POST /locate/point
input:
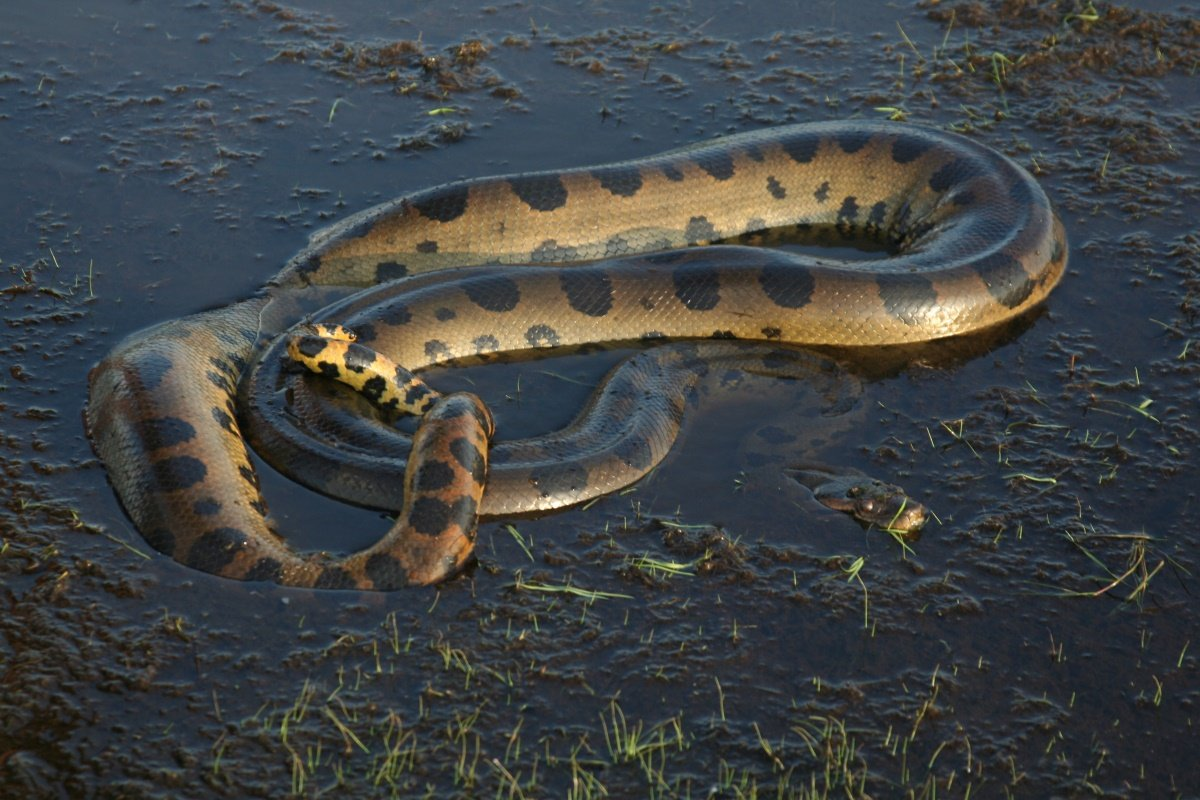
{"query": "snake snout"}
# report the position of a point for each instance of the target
(869, 500)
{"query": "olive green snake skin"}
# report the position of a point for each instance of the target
(461, 271)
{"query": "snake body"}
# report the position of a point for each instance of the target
(972, 241)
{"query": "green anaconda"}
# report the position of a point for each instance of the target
(460, 270)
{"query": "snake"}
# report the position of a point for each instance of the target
(638, 251)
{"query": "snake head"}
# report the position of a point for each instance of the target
(870, 501)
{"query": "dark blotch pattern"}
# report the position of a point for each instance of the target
(464, 514)
(310, 346)
(373, 389)
(588, 291)
(620, 181)
(540, 192)
(223, 419)
(848, 213)
(248, 475)
(152, 368)
(220, 381)
(551, 252)
(427, 246)
(335, 578)
(385, 572)
(445, 314)
(206, 507)
(877, 216)
(486, 343)
(178, 472)
(483, 419)
(386, 271)
(956, 172)
(801, 147)
(429, 515)
(699, 231)
(697, 287)
(161, 539)
(392, 314)
(359, 358)
(822, 192)
(907, 149)
(433, 475)
(163, 432)
(1005, 278)
(672, 173)
(493, 293)
(468, 456)
(787, 286)
(265, 569)
(309, 265)
(717, 164)
(437, 350)
(907, 297)
(221, 365)
(416, 395)
(238, 362)
(853, 141)
(215, 549)
(875, 225)
(542, 336)
(443, 205)
(776, 189)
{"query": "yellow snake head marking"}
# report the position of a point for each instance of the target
(334, 352)
(332, 330)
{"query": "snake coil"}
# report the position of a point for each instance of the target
(459, 270)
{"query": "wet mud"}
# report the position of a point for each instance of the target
(713, 632)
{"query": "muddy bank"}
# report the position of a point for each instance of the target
(706, 633)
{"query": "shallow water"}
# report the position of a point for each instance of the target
(1038, 641)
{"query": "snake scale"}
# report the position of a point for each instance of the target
(460, 271)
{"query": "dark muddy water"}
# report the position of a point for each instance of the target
(1040, 639)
